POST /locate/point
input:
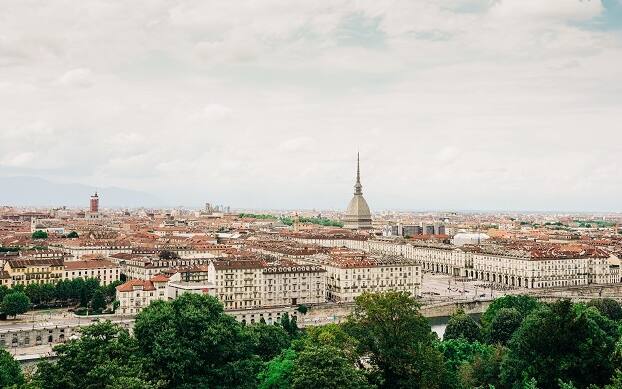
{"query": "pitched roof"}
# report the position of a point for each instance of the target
(89, 264)
(129, 285)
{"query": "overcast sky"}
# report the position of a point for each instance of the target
(474, 104)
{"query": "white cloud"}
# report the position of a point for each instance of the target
(79, 77)
(217, 112)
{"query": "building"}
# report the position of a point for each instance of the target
(94, 208)
(135, 295)
(349, 274)
(293, 284)
(238, 283)
(105, 271)
(145, 266)
(93, 213)
(358, 216)
(29, 270)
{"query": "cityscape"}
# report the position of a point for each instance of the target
(346, 195)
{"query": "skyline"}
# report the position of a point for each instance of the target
(453, 105)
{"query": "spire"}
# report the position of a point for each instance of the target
(358, 188)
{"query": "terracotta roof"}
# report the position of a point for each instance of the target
(92, 264)
(129, 285)
(159, 278)
(24, 262)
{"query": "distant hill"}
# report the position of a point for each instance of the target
(35, 191)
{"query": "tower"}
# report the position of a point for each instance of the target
(95, 203)
(358, 216)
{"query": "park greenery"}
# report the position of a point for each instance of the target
(288, 221)
(39, 234)
(85, 294)
(191, 342)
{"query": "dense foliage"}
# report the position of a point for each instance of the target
(191, 342)
(39, 234)
(322, 221)
(85, 293)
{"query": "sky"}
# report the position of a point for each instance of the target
(453, 105)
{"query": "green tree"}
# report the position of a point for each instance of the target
(278, 372)
(72, 235)
(561, 341)
(111, 289)
(47, 291)
(398, 340)
(457, 353)
(104, 356)
(503, 325)
(333, 335)
(10, 370)
(39, 234)
(326, 367)
(607, 307)
(461, 325)
(33, 291)
(168, 254)
(15, 303)
(98, 302)
(484, 371)
(268, 340)
(289, 324)
(302, 308)
(523, 304)
(191, 342)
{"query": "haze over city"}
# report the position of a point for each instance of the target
(489, 105)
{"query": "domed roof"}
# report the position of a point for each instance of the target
(358, 208)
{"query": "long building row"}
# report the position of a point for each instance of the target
(525, 264)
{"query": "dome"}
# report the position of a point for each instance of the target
(358, 208)
(358, 215)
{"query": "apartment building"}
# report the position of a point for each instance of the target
(29, 270)
(105, 271)
(134, 295)
(293, 284)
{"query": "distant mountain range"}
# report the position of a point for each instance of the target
(35, 191)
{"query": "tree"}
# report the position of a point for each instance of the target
(461, 325)
(191, 342)
(10, 370)
(607, 307)
(302, 308)
(33, 291)
(111, 289)
(168, 254)
(104, 356)
(72, 235)
(325, 367)
(398, 340)
(503, 325)
(268, 340)
(333, 335)
(289, 325)
(98, 303)
(458, 353)
(278, 372)
(15, 303)
(561, 341)
(523, 304)
(39, 234)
